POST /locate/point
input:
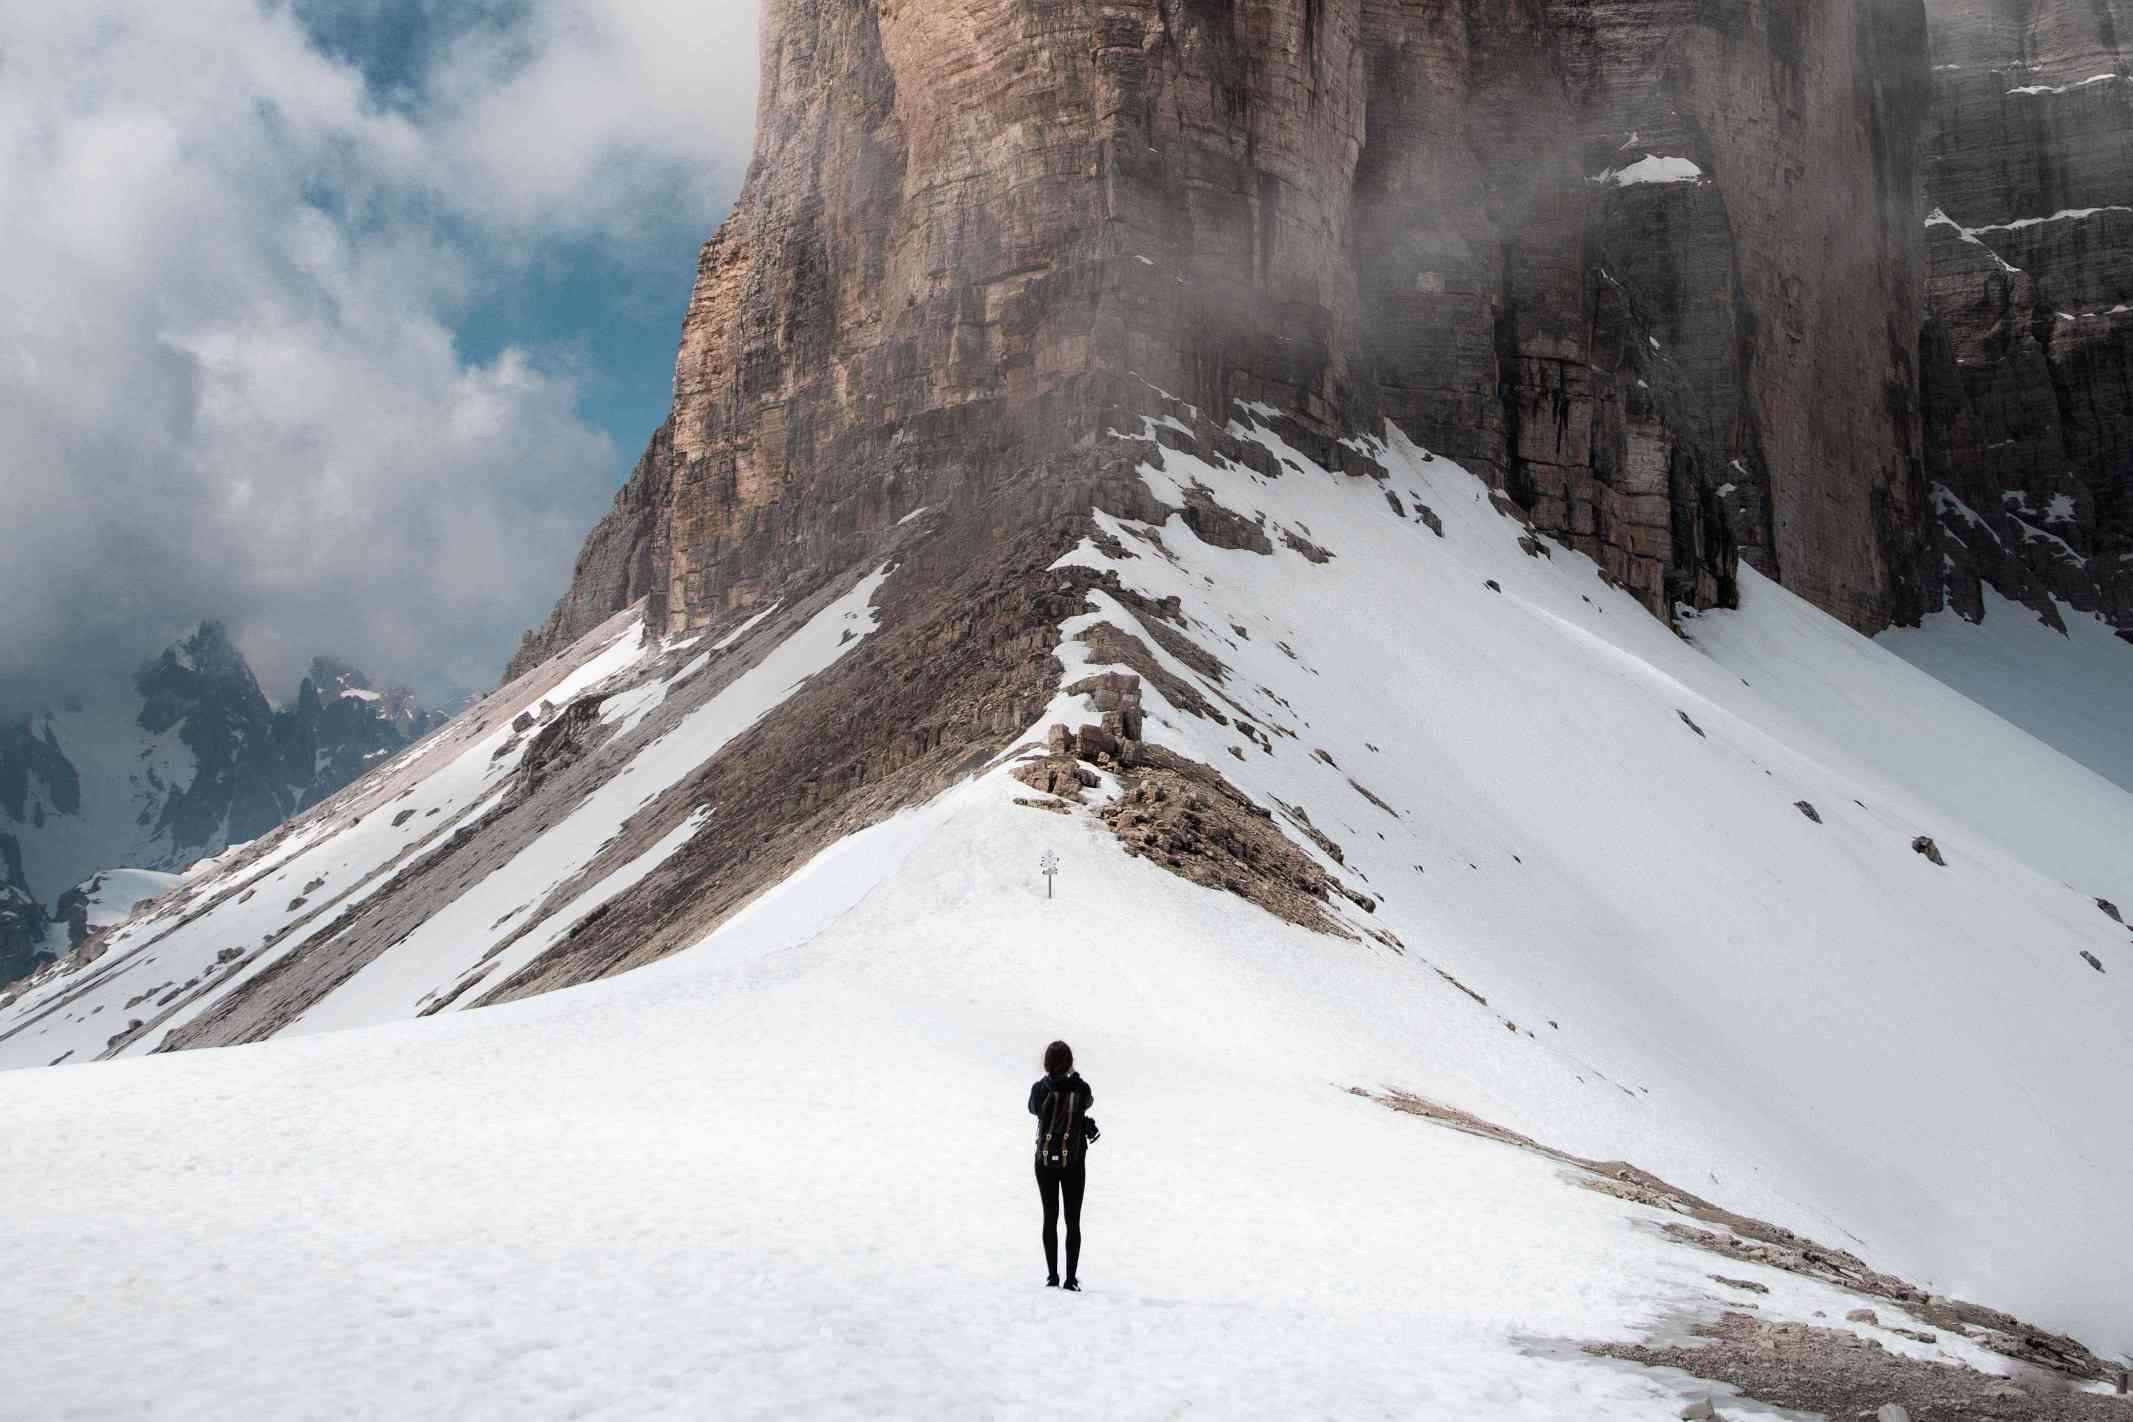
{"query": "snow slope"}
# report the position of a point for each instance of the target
(325, 865)
(310, 870)
(2074, 691)
(110, 897)
(667, 1193)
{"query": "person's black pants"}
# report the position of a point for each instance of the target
(1052, 1182)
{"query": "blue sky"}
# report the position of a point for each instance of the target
(617, 312)
(338, 322)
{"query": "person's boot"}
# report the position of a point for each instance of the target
(1052, 1283)
(1072, 1286)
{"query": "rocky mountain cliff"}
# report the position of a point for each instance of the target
(1653, 268)
(191, 760)
(1689, 287)
(1655, 272)
(2028, 347)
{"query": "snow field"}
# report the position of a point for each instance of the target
(1748, 1003)
(671, 1195)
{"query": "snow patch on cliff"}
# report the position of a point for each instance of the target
(1652, 168)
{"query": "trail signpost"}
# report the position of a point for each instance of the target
(1049, 867)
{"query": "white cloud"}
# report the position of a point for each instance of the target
(229, 379)
(551, 122)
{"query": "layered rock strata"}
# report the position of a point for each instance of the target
(2028, 346)
(1651, 267)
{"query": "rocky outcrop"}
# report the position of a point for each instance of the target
(1648, 266)
(2028, 347)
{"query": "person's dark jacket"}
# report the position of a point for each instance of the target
(1072, 1080)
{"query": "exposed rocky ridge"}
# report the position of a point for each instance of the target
(2028, 347)
(979, 234)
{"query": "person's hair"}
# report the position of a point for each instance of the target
(1059, 1059)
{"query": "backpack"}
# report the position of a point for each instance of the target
(1056, 1122)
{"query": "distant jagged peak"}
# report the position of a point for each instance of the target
(335, 677)
(205, 667)
(208, 652)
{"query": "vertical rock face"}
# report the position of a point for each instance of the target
(2028, 348)
(1677, 229)
(1652, 266)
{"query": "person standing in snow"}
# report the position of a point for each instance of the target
(1060, 1102)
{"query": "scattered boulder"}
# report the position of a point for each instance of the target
(1117, 697)
(1808, 810)
(1058, 774)
(1492, 585)
(2092, 960)
(1925, 845)
(1296, 543)
(402, 818)
(1700, 1410)
(1749, 1284)
(1690, 724)
(2110, 910)
(1863, 1315)
(1429, 517)
(565, 740)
